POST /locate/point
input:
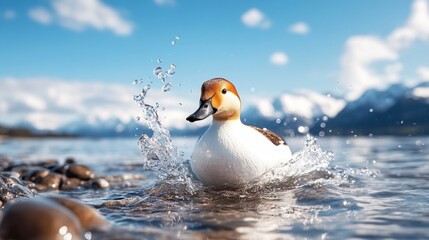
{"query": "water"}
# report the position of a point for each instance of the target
(370, 188)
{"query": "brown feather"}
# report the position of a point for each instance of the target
(274, 138)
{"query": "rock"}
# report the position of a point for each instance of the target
(35, 174)
(81, 172)
(39, 218)
(70, 160)
(51, 181)
(60, 168)
(99, 183)
(69, 183)
(89, 217)
(48, 163)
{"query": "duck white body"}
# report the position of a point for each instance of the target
(229, 153)
(232, 154)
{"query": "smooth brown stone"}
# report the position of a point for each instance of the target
(47, 163)
(69, 183)
(70, 160)
(51, 181)
(99, 183)
(60, 168)
(38, 218)
(81, 172)
(34, 174)
(89, 217)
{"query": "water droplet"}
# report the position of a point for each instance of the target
(171, 70)
(294, 119)
(278, 120)
(177, 37)
(399, 146)
(303, 129)
(159, 60)
(402, 122)
(173, 42)
(347, 141)
(166, 87)
(138, 97)
(145, 89)
(325, 118)
(323, 125)
(136, 81)
(138, 118)
(156, 71)
(88, 235)
(321, 133)
(371, 110)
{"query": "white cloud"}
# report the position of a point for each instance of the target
(279, 58)
(40, 15)
(417, 27)
(363, 52)
(255, 18)
(165, 2)
(300, 28)
(51, 103)
(80, 14)
(423, 73)
(9, 14)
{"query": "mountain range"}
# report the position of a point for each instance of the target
(396, 110)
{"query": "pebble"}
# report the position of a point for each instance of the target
(100, 183)
(51, 181)
(36, 173)
(89, 217)
(81, 172)
(19, 179)
(69, 183)
(39, 218)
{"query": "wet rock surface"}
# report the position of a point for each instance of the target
(51, 217)
(26, 178)
(30, 211)
(39, 218)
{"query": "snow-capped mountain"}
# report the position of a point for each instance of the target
(398, 110)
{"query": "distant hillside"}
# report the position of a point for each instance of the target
(397, 110)
(27, 133)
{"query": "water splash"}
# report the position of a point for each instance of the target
(171, 70)
(166, 87)
(159, 153)
(159, 73)
(311, 165)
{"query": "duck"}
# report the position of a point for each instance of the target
(230, 153)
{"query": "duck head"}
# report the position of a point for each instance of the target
(218, 98)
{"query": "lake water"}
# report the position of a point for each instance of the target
(368, 188)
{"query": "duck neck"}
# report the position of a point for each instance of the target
(219, 122)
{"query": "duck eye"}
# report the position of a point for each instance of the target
(224, 91)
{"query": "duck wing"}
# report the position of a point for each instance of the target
(274, 138)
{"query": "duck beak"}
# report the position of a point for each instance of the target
(203, 111)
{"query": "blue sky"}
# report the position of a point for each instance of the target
(264, 47)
